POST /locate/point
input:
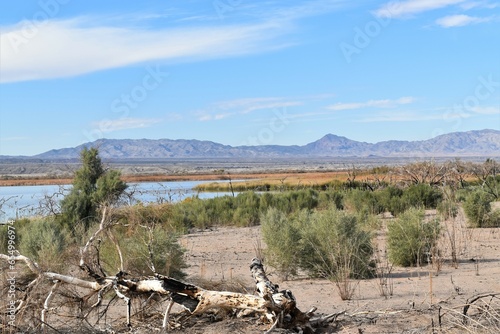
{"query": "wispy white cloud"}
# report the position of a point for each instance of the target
(411, 116)
(64, 48)
(173, 117)
(126, 123)
(224, 109)
(479, 4)
(486, 110)
(460, 20)
(408, 8)
(373, 104)
(247, 105)
(69, 48)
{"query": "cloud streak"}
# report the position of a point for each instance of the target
(372, 104)
(409, 116)
(64, 48)
(126, 123)
(408, 8)
(72, 47)
(224, 109)
(460, 20)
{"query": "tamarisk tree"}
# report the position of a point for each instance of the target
(93, 185)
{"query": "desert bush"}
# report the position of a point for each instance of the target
(357, 200)
(410, 238)
(421, 195)
(17, 226)
(335, 242)
(494, 218)
(335, 246)
(477, 208)
(192, 213)
(145, 214)
(143, 248)
(303, 199)
(331, 198)
(45, 242)
(448, 209)
(390, 199)
(282, 238)
(247, 209)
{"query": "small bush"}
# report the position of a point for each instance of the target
(335, 244)
(422, 195)
(411, 238)
(331, 198)
(390, 199)
(282, 238)
(477, 208)
(448, 209)
(45, 242)
(142, 248)
(357, 200)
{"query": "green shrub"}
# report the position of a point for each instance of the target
(390, 199)
(192, 212)
(448, 209)
(142, 247)
(331, 198)
(45, 242)
(303, 199)
(477, 209)
(282, 238)
(357, 200)
(494, 218)
(410, 238)
(336, 246)
(422, 195)
(16, 227)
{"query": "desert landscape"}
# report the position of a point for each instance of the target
(443, 295)
(228, 166)
(414, 300)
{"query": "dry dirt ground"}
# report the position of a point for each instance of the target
(415, 297)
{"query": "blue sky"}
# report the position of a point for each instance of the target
(242, 72)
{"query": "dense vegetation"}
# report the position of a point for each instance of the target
(322, 230)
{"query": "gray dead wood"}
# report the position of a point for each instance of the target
(277, 306)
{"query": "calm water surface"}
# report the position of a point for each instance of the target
(26, 201)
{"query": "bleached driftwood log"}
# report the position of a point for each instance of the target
(279, 307)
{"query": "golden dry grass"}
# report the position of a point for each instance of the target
(258, 178)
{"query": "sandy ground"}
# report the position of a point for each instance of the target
(417, 293)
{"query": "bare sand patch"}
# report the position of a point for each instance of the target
(418, 293)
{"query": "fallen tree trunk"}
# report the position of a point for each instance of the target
(278, 307)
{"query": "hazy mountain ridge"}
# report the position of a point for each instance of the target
(456, 144)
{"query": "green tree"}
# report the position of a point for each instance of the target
(93, 186)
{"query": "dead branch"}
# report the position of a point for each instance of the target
(472, 300)
(279, 307)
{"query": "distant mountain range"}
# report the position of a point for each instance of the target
(457, 144)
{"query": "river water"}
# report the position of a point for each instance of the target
(27, 201)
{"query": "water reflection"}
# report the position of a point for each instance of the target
(28, 201)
